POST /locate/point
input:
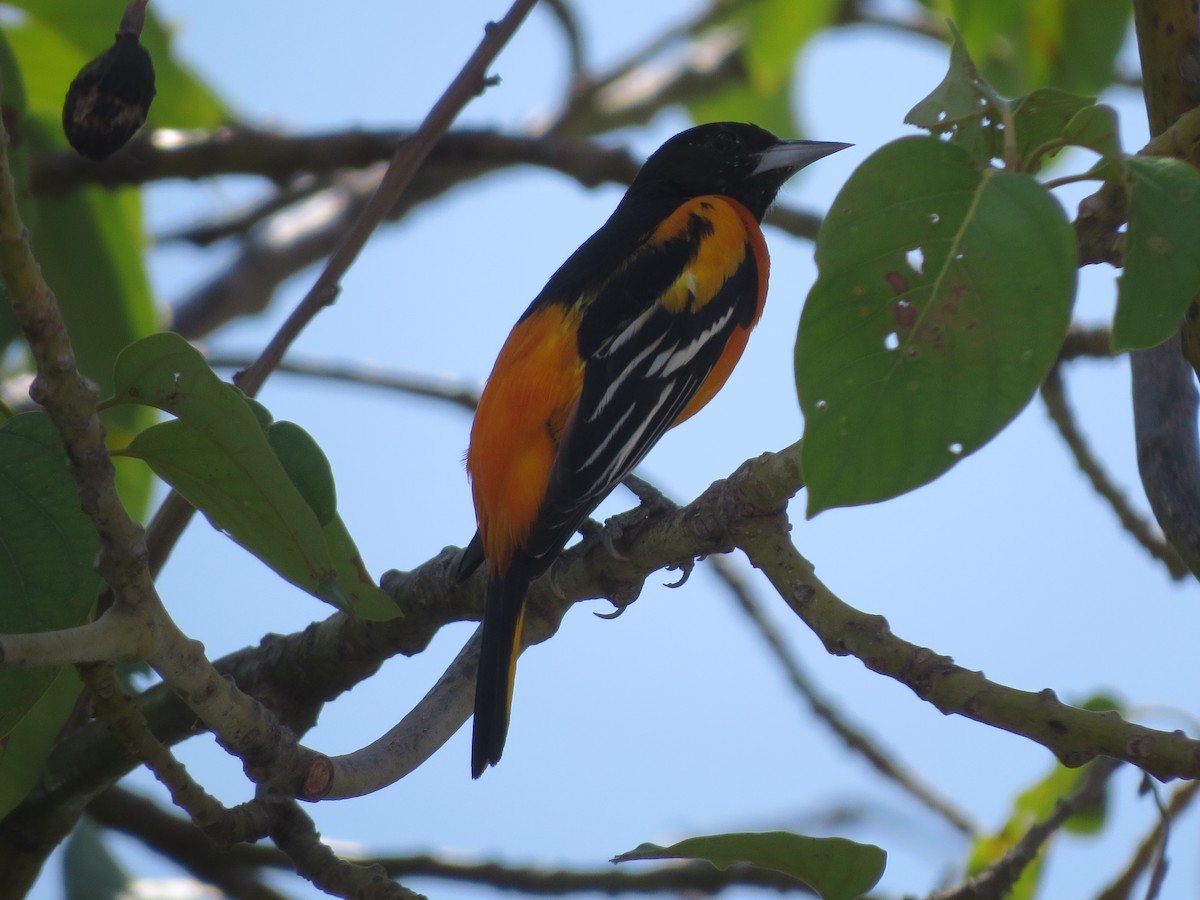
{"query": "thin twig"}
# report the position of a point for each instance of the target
(566, 19)
(129, 726)
(1054, 396)
(1082, 341)
(469, 83)
(998, 879)
(234, 870)
(70, 401)
(175, 513)
(458, 393)
(180, 841)
(1151, 848)
(854, 738)
(294, 833)
(242, 220)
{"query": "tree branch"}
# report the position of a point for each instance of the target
(298, 235)
(294, 833)
(1152, 847)
(234, 870)
(294, 674)
(469, 83)
(1054, 396)
(180, 841)
(1164, 397)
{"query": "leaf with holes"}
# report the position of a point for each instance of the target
(942, 298)
(834, 868)
(964, 107)
(1162, 267)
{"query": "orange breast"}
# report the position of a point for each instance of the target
(533, 389)
(743, 228)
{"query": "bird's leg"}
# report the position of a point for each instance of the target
(650, 499)
(651, 502)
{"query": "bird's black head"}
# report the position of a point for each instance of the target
(736, 159)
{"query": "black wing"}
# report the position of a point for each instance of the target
(643, 368)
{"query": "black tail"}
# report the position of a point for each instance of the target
(498, 649)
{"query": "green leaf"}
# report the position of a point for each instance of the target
(1033, 805)
(47, 550)
(1162, 267)
(218, 457)
(1042, 118)
(89, 245)
(90, 871)
(243, 491)
(1025, 44)
(776, 31)
(166, 372)
(942, 298)
(14, 108)
(309, 469)
(261, 413)
(23, 751)
(964, 107)
(307, 466)
(362, 595)
(1095, 127)
(267, 485)
(837, 869)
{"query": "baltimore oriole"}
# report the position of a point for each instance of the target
(631, 336)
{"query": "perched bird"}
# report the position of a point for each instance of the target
(631, 336)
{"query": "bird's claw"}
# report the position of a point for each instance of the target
(621, 598)
(685, 570)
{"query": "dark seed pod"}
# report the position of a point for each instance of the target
(109, 98)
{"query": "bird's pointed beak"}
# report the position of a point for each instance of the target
(795, 155)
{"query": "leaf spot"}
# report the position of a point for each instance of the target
(915, 259)
(822, 405)
(896, 281)
(891, 341)
(904, 314)
(955, 449)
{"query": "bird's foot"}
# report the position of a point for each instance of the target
(650, 499)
